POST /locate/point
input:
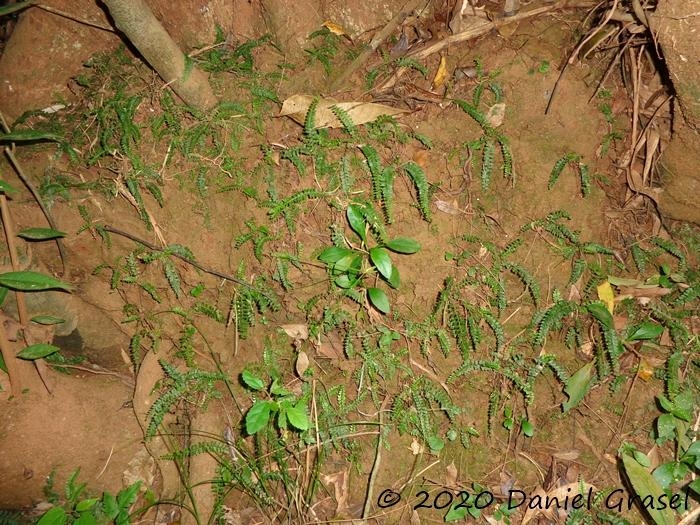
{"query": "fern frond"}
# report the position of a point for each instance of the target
(172, 276)
(551, 319)
(487, 159)
(527, 279)
(420, 181)
(346, 120)
(670, 248)
(310, 119)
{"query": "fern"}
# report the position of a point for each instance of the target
(345, 119)
(422, 188)
(282, 207)
(552, 319)
(527, 279)
(507, 155)
(310, 120)
(577, 269)
(172, 276)
(640, 256)
(212, 312)
(672, 374)
(487, 159)
(216, 448)
(496, 327)
(671, 248)
(194, 385)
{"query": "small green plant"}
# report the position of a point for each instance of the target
(572, 160)
(80, 510)
(351, 265)
(284, 409)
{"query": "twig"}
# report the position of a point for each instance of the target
(482, 29)
(375, 43)
(25, 180)
(63, 14)
(375, 466)
(197, 265)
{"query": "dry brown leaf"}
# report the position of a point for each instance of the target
(298, 332)
(302, 364)
(496, 114)
(450, 208)
(339, 480)
(416, 448)
(451, 475)
(296, 107)
(420, 157)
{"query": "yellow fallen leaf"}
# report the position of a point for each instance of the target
(607, 295)
(441, 74)
(334, 28)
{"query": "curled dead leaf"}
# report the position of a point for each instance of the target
(496, 114)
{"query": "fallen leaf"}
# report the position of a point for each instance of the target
(607, 295)
(450, 208)
(360, 113)
(334, 28)
(296, 331)
(496, 114)
(451, 475)
(416, 448)
(339, 480)
(441, 74)
(302, 364)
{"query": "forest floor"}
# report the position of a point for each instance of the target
(412, 319)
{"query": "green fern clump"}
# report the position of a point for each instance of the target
(574, 161)
(194, 386)
(417, 175)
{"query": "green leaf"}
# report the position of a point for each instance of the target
(666, 427)
(379, 300)
(86, 518)
(86, 504)
(646, 331)
(37, 351)
(54, 516)
(40, 234)
(6, 10)
(402, 245)
(333, 254)
(435, 443)
(382, 261)
(527, 427)
(645, 485)
(357, 221)
(602, 314)
(278, 390)
(352, 261)
(344, 282)
(297, 416)
(28, 135)
(3, 295)
(252, 381)
(577, 386)
(109, 505)
(27, 281)
(456, 513)
(695, 486)
(395, 279)
(669, 473)
(258, 417)
(47, 319)
(7, 188)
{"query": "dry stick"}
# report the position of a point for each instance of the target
(197, 265)
(5, 347)
(375, 43)
(25, 180)
(74, 18)
(575, 53)
(475, 32)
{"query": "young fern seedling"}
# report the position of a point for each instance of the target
(349, 266)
